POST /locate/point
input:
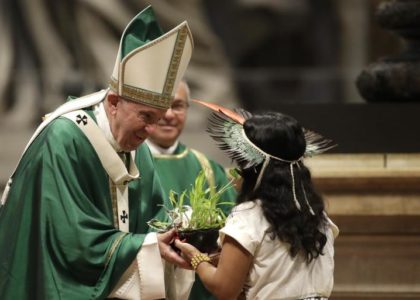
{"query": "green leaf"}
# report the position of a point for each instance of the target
(205, 204)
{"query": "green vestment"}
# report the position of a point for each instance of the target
(57, 233)
(178, 172)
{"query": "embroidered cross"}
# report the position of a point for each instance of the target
(124, 216)
(83, 119)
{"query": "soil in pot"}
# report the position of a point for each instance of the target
(205, 240)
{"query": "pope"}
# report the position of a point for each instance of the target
(73, 214)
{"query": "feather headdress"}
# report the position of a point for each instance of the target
(226, 128)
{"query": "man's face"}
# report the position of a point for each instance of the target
(171, 125)
(131, 123)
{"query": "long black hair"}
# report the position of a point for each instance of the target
(282, 136)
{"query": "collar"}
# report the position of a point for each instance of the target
(103, 124)
(156, 149)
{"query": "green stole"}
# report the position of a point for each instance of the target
(57, 234)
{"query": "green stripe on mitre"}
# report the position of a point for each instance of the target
(142, 29)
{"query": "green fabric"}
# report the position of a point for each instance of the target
(179, 174)
(57, 239)
(141, 30)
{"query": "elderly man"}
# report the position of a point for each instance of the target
(73, 215)
(179, 165)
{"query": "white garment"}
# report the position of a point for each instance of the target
(158, 150)
(274, 273)
(137, 281)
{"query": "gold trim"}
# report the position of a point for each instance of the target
(155, 42)
(175, 61)
(114, 246)
(113, 191)
(171, 156)
(142, 96)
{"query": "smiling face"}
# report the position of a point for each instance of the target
(170, 127)
(131, 123)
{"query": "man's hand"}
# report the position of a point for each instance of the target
(166, 251)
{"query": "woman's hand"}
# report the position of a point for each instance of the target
(187, 250)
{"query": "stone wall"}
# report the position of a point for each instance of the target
(375, 201)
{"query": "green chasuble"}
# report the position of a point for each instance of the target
(57, 233)
(178, 172)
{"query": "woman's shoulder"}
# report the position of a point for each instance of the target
(246, 224)
(247, 207)
(332, 226)
(250, 212)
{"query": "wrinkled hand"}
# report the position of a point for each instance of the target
(166, 251)
(187, 250)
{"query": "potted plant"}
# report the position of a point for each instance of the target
(199, 221)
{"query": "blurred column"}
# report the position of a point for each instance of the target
(354, 16)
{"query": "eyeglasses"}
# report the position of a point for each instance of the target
(179, 108)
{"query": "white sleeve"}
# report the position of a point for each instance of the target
(144, 278)
(178, 282)
(246, 225)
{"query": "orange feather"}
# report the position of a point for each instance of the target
(230, 113)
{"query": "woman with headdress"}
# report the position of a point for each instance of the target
(278, 242)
